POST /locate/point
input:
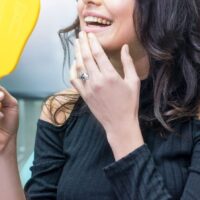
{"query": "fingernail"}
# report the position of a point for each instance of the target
(1, 115)
(81, 34)
(1, 94)
(127, 49)
(91, 35)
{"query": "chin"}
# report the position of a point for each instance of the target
(107, 44)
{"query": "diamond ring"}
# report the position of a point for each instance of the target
(84, 76)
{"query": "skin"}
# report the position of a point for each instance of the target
(10, 186)
(112, 91)
(121, 32)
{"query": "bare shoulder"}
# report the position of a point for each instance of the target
(198, 114)
(54, 102)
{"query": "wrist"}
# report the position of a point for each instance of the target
(121, 126)
(125, 140)
(122, 147)
(8, 150)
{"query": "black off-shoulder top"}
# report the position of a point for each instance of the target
(75, 162)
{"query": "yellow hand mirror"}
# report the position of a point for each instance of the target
(17, 21)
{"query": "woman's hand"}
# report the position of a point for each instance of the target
(9, 120)
(112, 99)
(8, 161)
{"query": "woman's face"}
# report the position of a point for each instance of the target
(110, 20)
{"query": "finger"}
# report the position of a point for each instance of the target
(78, 68)
(72, 72)
(1, 115)
(86, 54)
(1, 98)
(1, 95)
(100, 56)
(79, 61)
(78, 85)
(7, 99)
(128, 65)
(79, 72)
(74, 79)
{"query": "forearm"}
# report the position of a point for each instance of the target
(10, 185)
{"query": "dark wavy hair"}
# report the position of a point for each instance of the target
(169, 30)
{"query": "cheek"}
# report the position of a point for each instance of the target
(125, 30)
(122, 32)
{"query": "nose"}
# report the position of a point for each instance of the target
(95, 2)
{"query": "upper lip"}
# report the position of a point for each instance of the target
(94, 14)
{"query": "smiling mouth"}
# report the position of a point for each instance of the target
(97, 22)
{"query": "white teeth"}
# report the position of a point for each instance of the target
(97, 19)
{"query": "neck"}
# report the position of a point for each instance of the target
(140, 60)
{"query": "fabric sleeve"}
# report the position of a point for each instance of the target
(192, 187)
(48, 162)
(135, 177)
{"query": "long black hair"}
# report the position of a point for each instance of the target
(169, 30)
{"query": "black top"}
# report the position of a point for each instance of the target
(75, 162)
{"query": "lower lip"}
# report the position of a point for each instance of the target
(95, 29)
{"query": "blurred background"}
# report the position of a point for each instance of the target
(40, 70)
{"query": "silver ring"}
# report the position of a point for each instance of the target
(84, 76)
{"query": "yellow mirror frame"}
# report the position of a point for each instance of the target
(17, 21)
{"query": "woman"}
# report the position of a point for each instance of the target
(132, 132)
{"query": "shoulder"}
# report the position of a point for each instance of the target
(54, 103)
(196, 127)
(198, 113)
